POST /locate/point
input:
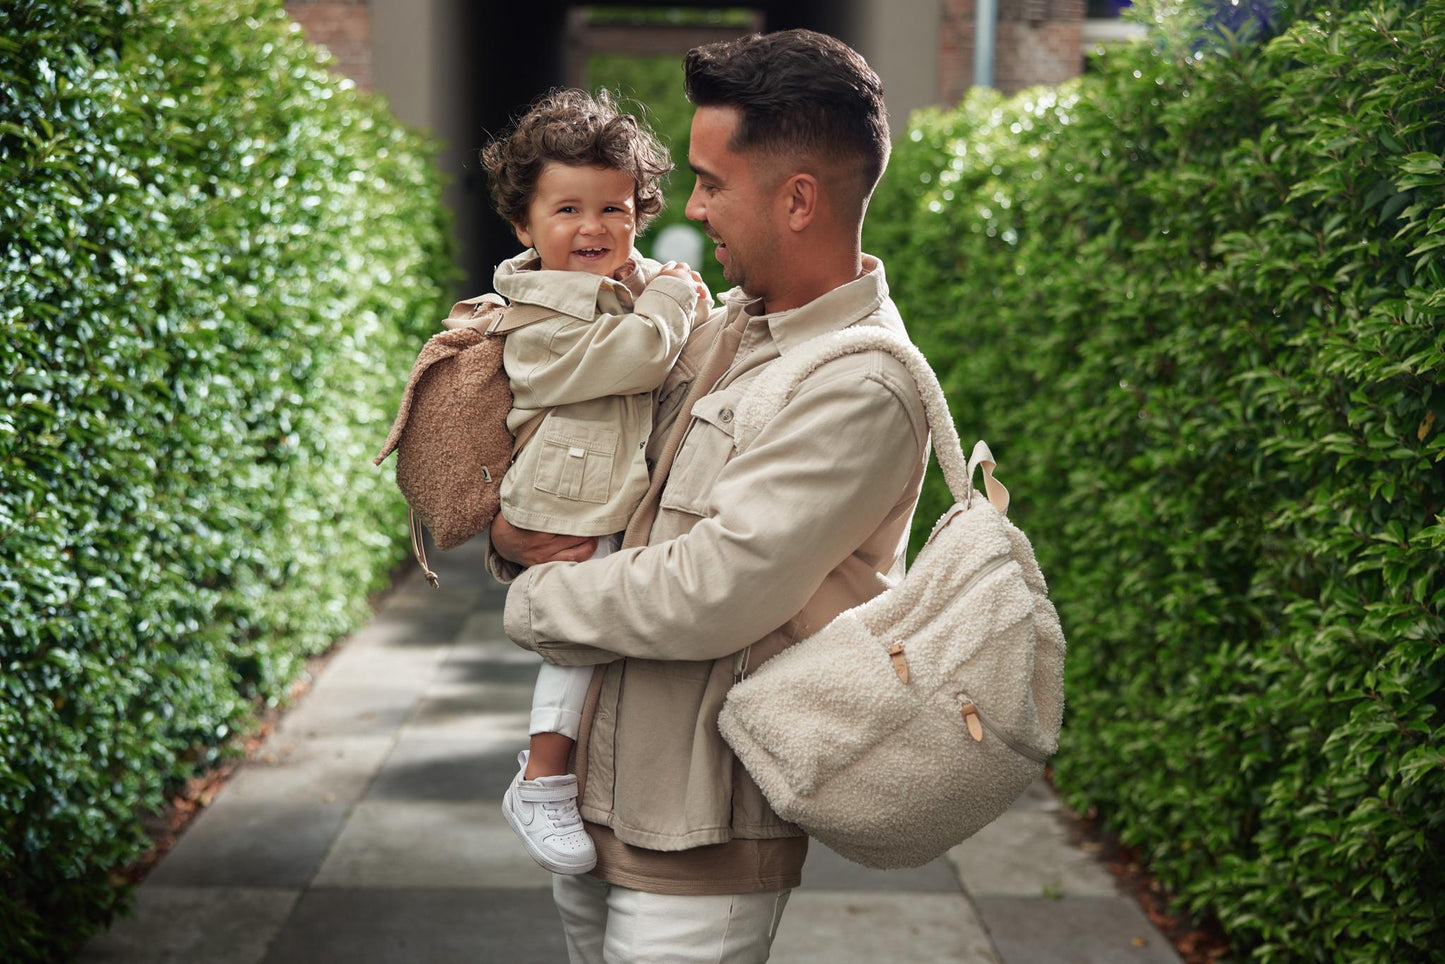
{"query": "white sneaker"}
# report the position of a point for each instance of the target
(543, 812)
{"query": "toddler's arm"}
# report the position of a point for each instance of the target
(626, 353)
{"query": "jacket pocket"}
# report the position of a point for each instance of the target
(706, 449)
(576, 459)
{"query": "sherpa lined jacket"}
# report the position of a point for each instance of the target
(595, 366)
(749, 553)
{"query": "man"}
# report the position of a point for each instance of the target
(734, 555)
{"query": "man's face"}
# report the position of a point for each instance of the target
(732, 199)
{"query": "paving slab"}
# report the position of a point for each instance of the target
(419, 845)
(487, 662)
(390, 666)
(292, 769)
(1073, 930)
(217, 925)
(351, 711)
(244, 843)
(421, 626)
(478, 711)
(863, 928)
(421, 927)
(486, 625)
(414, 594)
(446, 771)
(1026, 853)
(827, 870)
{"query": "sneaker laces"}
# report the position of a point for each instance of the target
(563, 814)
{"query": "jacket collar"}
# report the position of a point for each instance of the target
(833, 311)
(573, 293)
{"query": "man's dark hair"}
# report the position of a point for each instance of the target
(570, 126)
(798, 92)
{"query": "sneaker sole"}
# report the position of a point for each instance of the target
(539, 855)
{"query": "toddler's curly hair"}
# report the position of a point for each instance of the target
(571, 126)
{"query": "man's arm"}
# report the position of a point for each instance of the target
(816, 483)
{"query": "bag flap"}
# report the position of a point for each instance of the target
(439, 347)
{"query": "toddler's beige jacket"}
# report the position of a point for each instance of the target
(595, 366)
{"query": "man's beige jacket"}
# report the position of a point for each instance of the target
(596, 366)
(749, 553)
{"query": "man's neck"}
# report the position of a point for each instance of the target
(814, 280)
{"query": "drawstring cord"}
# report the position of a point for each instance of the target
(418, 549)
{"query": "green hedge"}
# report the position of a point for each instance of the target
(215, 258)
(1195, 300)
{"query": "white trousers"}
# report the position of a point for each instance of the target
(561, 690)
(607, 924)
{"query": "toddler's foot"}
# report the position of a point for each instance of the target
(543, 812)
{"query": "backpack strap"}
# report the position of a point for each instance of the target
(775, 386)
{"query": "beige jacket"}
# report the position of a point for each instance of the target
(596, 366)
(749, 552)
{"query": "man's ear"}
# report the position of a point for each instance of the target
(523, 236)
(801, 197)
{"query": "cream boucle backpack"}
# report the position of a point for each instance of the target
(912, 720)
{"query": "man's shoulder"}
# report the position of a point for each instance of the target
(875, 370)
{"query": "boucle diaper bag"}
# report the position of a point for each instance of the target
(912, 720)
(450, 435)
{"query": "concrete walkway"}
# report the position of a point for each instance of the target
(368, 829)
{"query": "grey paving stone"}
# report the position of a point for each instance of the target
(421, 927)
(474, 711)
(878, 928)
(423, 627)
(242, 843)
(826, 870)
(470, 665)
(1073, 930)
(389, 666)
(218, 925)
(485, 625)
(350, 711)
(1026, 853)
(446, 771)
(292, 769)
(1039, 796)
(414, 594)
(417, 845)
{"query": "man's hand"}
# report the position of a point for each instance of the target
(528, 547)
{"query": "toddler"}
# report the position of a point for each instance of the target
(577, 179)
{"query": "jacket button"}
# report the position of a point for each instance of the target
(726, 415)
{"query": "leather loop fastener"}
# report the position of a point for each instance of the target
(975, 726)
(900, 662)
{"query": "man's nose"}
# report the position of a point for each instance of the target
(695, 210)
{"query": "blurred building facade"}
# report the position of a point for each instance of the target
(458, 68)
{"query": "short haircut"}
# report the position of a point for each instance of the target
(571, 126)
(798, 92)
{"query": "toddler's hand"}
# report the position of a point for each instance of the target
(682, 272)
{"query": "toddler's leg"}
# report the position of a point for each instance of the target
(557, 704)
(541, 803)
(556, 716)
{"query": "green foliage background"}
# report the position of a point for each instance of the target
(1195, 300)
(215, 259)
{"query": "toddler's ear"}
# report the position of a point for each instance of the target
(522, 234)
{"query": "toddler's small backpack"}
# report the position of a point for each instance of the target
(450, 436)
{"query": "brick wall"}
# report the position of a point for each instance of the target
(1035, 42)
(344, 28)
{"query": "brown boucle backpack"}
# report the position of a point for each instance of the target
(450, 435)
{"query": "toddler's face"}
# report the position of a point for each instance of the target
(581, 218)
